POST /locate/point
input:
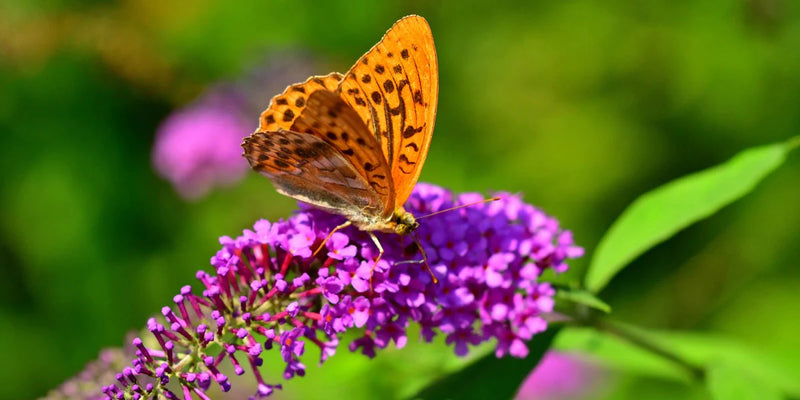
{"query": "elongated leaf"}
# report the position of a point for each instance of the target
(700, 349)
(660, 213)
(490, 377)
(618, 354)
(728, 382)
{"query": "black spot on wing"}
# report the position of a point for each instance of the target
(304, 153)
(410, 131)
(405, 160)
(400, 85)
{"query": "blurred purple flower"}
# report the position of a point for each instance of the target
(198, 148)
(268, 290)
(560, 376)
(87, 385)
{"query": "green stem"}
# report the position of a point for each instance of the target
(646, 343)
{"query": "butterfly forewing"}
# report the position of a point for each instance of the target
(287, 106)
(394, 88)
(309, 169)
(329, 118)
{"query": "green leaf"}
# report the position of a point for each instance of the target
(583, 297)
(662, 212)
(490, 377)
(728, 382)
(618, 354)
(695, 348)
(709, 349)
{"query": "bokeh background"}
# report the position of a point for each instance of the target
(580, 105)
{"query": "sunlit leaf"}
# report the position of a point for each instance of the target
(729, 382)
(618, 354)
(662, 212)
(695, 348)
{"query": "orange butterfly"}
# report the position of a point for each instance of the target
(354, 145)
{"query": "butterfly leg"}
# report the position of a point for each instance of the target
(342, 226)
(424, 258)
(423, 261)
(380, 255)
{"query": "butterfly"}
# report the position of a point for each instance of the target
(354, 144)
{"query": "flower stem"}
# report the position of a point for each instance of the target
(644, 342)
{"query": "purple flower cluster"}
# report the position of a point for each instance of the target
(270, 290)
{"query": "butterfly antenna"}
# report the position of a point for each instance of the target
(424, 257)
(461, 206)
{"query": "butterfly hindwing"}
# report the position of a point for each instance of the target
(394, 88)
(309, 169)
(329, 118)
(287, 106)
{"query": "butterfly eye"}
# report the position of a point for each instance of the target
(406, 223)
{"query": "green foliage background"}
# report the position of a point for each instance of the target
(580, 105)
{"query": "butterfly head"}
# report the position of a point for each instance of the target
(405, 222)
